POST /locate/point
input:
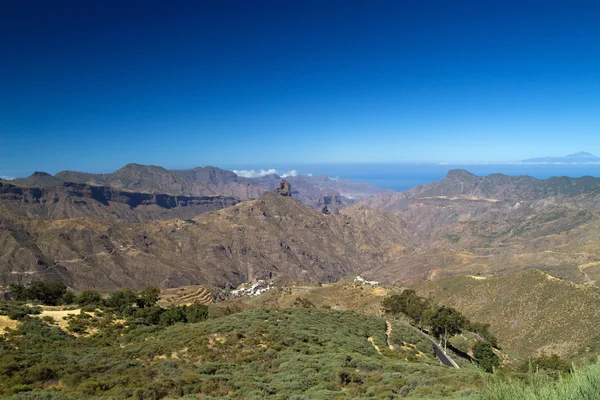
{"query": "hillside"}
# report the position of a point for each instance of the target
(259, 354)
(464, 232)
(531, 312)
(273, 237)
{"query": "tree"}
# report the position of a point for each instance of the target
(68, 298)
(173, 315)
(484, 331)
(196, 312)
(47, 292)
(552, 365)
(483, 353)
(446, 322)
(148, 297)
(407, 303)
(18, 292)
(89, 297)
(122, 299)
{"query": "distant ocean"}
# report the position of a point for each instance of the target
(402, 177)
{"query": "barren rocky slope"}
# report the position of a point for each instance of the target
(467, 233)
(72, 200)
(272, 237)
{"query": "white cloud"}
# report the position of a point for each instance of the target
(309, 174)
(292, 172)
(252, 173)
(7, 178)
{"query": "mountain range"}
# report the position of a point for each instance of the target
(210, 181)
(113, 236)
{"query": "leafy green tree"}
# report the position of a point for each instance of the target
(483, 352)
(148, 315)
(407, 303)
(18, 292)
(173, 316)
(68, 298)
(148, 297)
(446, 322)
(553, 365)
(196, 312)
(89, 297)
(47, 292)
(484, 331)
(121, 300)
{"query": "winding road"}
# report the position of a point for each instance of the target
(439, 352)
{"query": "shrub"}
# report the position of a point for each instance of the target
(89, 297)
(148, 297)
(48, 292)
(196, 312)
(173, 315)
(485, 356)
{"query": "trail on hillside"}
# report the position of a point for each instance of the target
(388, 333)
(370, 339)
(586, 275)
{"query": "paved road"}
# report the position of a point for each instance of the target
(439, 352)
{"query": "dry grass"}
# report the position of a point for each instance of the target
(6, 322)
(59, 315)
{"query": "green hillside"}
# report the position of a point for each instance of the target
(531, 312)
(257, 354)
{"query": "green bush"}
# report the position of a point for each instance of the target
(173, 316)
(89, 298)
(16, 310)
(48, 292)
(483, 353)
(196, 312)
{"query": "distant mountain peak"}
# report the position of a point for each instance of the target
(581, 157)
(459, 173)
(40, 173)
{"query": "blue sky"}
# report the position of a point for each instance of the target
(95, 85)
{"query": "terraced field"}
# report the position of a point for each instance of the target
(186, 295)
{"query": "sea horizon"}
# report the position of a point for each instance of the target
(404, 176)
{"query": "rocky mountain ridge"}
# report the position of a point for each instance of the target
(208, 181)
(69, 200)
(273, 237)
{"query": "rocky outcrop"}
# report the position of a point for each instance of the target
(285, 189)
(79, 199)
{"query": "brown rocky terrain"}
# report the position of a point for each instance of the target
(104, 237)
(476, 225)
(271, 237)
(207, 181)
(73, 200)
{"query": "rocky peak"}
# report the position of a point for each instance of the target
(40, 174)
(285, 189)
(459, 174)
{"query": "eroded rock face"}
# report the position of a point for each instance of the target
(285, 189)
(73, 200)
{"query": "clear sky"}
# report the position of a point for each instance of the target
(93, 85)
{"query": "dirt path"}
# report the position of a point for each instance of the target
(370, 339)
(388, 333)
(580, 267)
